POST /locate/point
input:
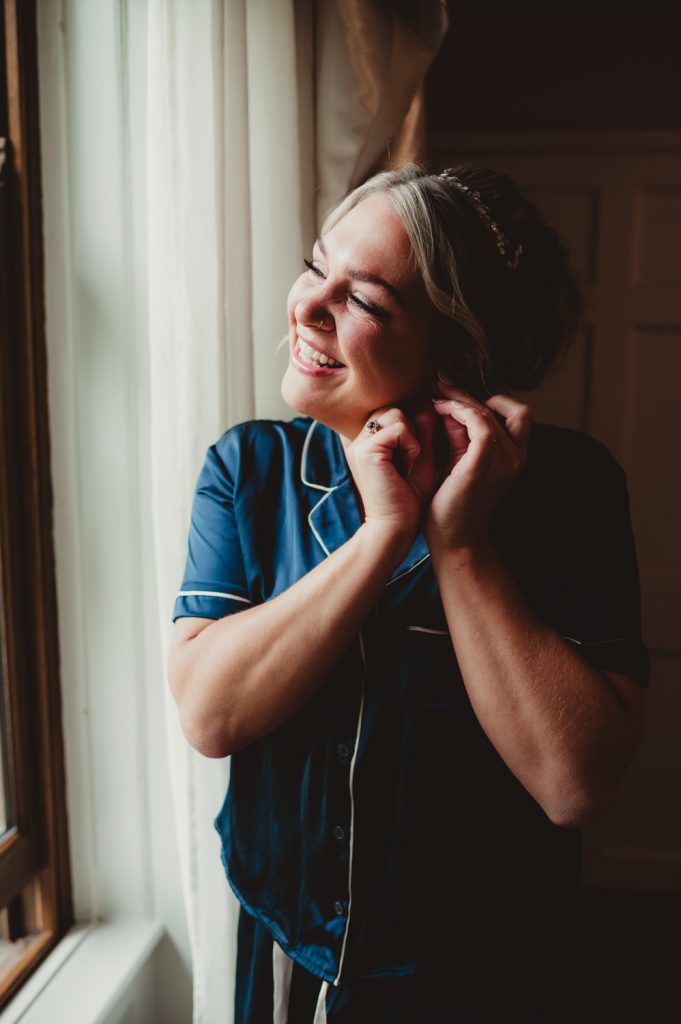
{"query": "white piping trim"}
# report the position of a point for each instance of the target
(407, 571)
(211, 593)
(320, 1011)
(312, 512)
(360, 719)
(423, 629)
(303, 463)
(282, 970)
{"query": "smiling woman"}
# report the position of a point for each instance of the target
(411, 616)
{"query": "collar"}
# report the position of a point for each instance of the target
(335, 516)
(323, 465)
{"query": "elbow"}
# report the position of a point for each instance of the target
(201, 726)
(576, 795)
(579, 810)
(574, 805)
(207, 739)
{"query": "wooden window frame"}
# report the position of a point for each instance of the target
(34, 850)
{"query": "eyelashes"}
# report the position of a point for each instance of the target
(367, 307)
(313, 267)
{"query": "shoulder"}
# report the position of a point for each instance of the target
(570, 459)
(255, 444)
(571, 488)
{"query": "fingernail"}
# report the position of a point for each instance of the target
(444, 377)
(439, 401)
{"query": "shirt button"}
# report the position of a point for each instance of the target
(339, 832)
(343, 751)
(339, 908)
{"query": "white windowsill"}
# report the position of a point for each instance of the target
(86, 974)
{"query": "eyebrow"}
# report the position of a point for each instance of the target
(360, 275)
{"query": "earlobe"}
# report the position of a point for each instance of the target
(457, 369)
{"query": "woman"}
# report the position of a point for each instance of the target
(411, 617)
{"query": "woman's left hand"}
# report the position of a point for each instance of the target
(485, 457)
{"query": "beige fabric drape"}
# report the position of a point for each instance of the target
(261, 114)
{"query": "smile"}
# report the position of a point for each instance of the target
(312, 357)
(309, 358)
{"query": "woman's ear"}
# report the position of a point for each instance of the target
(453, 352)
(457, 366)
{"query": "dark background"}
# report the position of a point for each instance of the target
(522, 67)
(535, 67)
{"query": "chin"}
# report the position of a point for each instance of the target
(298, 398)
(305, 403)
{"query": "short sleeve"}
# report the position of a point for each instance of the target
(594, 598)
(214, 583)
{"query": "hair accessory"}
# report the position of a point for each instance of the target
(483, 211)
(373, 426)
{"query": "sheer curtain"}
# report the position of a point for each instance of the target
(261, 115)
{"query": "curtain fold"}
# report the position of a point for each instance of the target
(261, 115)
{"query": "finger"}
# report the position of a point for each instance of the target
(457, 394)
(454, 391)
(457, 432)
(407, 449)
(378, 421)
(425, 420)
(422, 475)
(386, 415)
(397, 442)
(479, 424)
(517, 417)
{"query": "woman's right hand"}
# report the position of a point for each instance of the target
(394, 470)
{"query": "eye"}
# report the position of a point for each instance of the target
(369, 307)
(313, 268)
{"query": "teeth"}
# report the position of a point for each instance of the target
(313, 357)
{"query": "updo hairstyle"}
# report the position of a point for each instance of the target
(499, 329)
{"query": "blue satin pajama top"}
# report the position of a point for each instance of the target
(377, 830)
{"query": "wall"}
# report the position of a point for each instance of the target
(525, 67)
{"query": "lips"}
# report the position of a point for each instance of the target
(314, 358)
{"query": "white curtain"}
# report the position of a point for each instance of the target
(261, 114)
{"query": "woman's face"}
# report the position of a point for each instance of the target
(359, 323)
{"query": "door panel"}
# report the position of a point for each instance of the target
(619, 212)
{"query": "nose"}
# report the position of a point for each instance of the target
(311, 312)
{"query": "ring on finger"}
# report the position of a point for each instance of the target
(373, 426)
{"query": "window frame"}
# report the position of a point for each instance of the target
(34, 849)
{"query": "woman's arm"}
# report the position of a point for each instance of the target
(567, 730)
(237, 678)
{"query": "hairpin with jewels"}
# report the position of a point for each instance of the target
(483, 211)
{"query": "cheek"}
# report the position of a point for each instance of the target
(365, 342)
(394, 361)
